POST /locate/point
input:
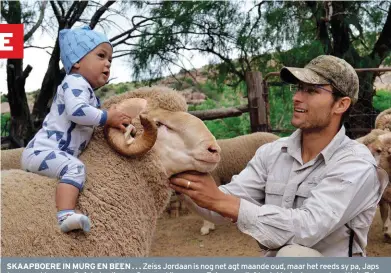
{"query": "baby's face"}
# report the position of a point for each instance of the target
(95, 66)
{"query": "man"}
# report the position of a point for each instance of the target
(311, 194)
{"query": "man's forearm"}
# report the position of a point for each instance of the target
(209, 215)
(228, 207)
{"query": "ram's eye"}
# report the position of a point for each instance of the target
(158, 123)
(378, 151)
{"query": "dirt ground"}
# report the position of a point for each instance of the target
(181, 237)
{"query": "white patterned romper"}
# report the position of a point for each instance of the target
(65, 133)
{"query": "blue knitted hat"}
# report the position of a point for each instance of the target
(78, 42)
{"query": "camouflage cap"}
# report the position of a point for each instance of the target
(325, 69)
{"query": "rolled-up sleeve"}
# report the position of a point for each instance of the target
(349, 188)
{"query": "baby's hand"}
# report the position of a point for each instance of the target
(117, 119)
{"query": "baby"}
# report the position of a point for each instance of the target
(67, 129)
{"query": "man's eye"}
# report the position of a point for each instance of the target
(101, 55)
(311, 90)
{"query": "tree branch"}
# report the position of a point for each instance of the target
(78, 12)
(383, 44)
(227, 60)
(70, 10)
(258, 18)
(4, 13)
(56, 12)
(40, 47)
(135, 27)
(99, 13)
(39, 22)
(321, 26)
(62, 8)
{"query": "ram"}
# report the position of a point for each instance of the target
(379, 143)
(126, 188)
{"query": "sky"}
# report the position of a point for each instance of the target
(39, 60)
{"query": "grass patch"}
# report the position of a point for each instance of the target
(382, 100)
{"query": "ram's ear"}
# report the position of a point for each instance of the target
(385, 139)
(132, 107)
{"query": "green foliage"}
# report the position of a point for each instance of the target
(101, 92)
(220, 28)
(281, 108)
(121, 89)
(189, 81)
(300, 56)
(382, 100)
(5, 124)
(117, 88)
(387, 61)
(229, 127)
(213, 90)
(227, 97)
(4, 98)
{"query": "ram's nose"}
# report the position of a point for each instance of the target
(214, 148)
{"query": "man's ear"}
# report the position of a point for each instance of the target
(342, 105)
(76, 65)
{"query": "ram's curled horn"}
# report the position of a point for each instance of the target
(142, 143)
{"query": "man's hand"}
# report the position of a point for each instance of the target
(202, 189)
(117, 119)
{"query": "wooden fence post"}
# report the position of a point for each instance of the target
(256, 103)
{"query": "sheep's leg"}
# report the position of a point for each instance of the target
(385, 213)
(129, 134)
(207, 227)
(174, 206)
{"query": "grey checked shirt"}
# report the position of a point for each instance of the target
(284, 201)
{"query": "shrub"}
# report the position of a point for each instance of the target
(382, 100)
(227, 127)
(4, 98)
(5, 124)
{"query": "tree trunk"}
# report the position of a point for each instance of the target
(362, 116)
(256, 102)
(21, 126)
(52, 79)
